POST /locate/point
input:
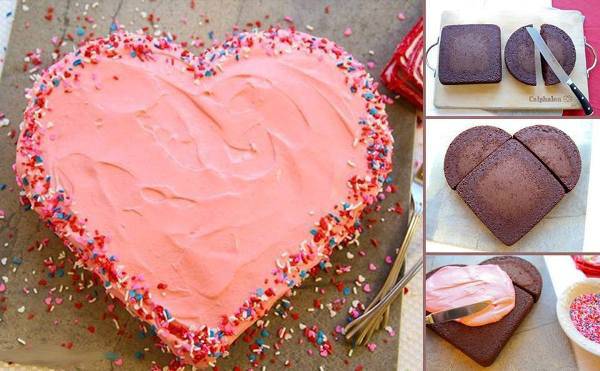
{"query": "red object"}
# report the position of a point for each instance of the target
(588, 264)
(404, 72)
(591, 30)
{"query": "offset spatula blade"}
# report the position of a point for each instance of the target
(456, 313)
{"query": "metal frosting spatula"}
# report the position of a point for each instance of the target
(558, 70)
(456, 313)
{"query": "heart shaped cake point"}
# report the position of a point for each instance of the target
(201, 189)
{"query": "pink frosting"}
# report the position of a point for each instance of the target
(201, 189)
(452, 287)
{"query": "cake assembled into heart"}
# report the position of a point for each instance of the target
(512, 182)
(512, 284)
(201, 189)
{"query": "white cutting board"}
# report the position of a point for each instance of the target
(510, 93)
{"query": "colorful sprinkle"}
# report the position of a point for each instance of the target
(585, 314)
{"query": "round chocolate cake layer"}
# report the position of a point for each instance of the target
(469, 148)
(521, 272)
(562, 47)
(556, 149)
(470, 54)
(519, 56)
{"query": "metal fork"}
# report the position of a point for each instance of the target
(376, 315)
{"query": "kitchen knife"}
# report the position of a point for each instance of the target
(456, 313)
(558, 70)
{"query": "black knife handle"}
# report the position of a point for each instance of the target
(585, 103)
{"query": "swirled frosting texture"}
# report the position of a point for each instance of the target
(454, 286)
(201, 189)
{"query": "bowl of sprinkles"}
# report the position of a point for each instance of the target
(578, 311)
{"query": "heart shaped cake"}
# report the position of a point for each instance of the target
(512, 182)
(483, 335)
(201, 189)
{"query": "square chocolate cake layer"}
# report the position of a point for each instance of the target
(510, 191)
(470, 54)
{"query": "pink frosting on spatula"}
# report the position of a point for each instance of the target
(454, 286)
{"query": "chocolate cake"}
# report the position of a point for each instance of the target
(484, 343)
(470, 54)
(562, 47)
(556, 149)
(469, 148)
(519, 56)
(510, 191)
(523, 274)
(512, 183)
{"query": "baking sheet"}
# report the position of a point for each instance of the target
(46, 332)
(510, 93)
(451, 222)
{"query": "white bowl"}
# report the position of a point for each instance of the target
(563, 305)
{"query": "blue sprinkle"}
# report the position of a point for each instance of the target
(8, 14)
(260, 342)
(55, 82)
(17, 260)
(113, 27)
(313, 232)
(264, 333)
(25, 181)
(211, 35)
(373, 111)
(37, 159)
(76, 62)
(60, 272)
(112, 356)
(208, 73)
(139, 354)
(133, 54)
(2, 186)
(260, 292)
(368, 96)
(332, 242)
(320, 337)
(347, 291)
(303, 274)
(80, 31)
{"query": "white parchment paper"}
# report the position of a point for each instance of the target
(451, 222)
